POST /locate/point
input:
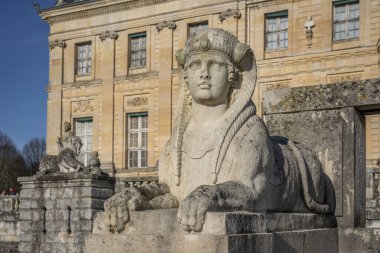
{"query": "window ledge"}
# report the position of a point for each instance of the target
(345, 44)
(277, 53)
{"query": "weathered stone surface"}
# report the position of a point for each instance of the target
(220, 223)
(158, 231)
(365, 93)
(59, 209)
(337, 137)
(354, 240)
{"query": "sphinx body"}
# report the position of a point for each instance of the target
(220, 156)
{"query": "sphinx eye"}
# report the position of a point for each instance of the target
(216, 64)
(195, 64)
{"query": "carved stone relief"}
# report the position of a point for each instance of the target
(276, 85)
(136, 101)
(83, 106)
(344, 77)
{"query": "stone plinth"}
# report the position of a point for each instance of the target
(159, 231)
(56, 211)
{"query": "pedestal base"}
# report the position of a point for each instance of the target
(238, 232)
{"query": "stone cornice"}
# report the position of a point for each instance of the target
(166, 24)
(260, 4)
(229, 14)
(102, 10)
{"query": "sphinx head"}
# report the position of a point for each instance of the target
(76, 145)
(211, 61)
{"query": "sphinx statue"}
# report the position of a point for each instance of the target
(220, 156)
(66, 161)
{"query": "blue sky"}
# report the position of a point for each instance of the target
(24, 59)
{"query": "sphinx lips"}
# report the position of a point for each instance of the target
(204, 85)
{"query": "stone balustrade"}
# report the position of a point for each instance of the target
(9, 203)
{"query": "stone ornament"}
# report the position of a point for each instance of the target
(60, 43)
(220, 156)
(229, 14)
(166, 24)
(137, 101)
(309, 25)
(108, 35)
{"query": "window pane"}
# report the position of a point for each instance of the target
(138, 50)
(137, 140)
(196, 27)
(276, 31)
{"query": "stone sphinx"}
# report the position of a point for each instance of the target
(220, 156)
(66, 161)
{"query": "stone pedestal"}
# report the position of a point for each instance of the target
(158, 231)
(56, 211)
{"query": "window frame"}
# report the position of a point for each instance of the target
(130, 38)
(346, 21)
(196, 24)
(84, 152)
(88, 60)
(139, 148)
(277, 16)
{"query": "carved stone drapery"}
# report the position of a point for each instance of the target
(83, 106)
(137, 101)
(166, 24)
(55, 43)
(228, 14)
(108, 35)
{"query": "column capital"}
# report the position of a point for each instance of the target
(108, 35)
(166, 24)
(54, 43)
(228, 14)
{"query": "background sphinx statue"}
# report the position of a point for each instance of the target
(220, 156)
(66, 161)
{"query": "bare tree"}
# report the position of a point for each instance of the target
(32, 152)
(12, 164)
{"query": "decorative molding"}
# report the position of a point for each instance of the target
(137, 101)
(83, 106)
(60, 43)
(344, 77)
(265, 3)
(280, 84)
(228, 14)
(136, 76)
(166, 24)
(82, 83)
(108, 35)
(103, 10)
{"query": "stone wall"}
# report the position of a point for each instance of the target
(329, 120)
(56, 211)
(9, 223)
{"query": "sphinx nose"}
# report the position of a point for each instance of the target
(205, 72)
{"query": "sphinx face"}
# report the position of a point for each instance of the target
(77, 148)
(207, 76)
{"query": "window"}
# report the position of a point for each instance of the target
(196, 27)
(137, 140)
(276, 31)
(137, 50)
(83, 129)
(346, 20)
(83, 62)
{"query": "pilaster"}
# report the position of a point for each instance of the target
(54, 104)
(165, 30)
(107, 72)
